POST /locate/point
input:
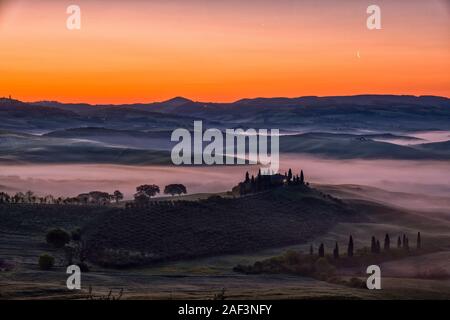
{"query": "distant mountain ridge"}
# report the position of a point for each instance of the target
(360, 98)
(367, 112)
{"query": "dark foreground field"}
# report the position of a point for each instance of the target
(215, 226)
(180, 256)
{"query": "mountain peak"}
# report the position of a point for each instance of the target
(178, 99)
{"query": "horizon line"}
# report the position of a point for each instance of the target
(230, 102)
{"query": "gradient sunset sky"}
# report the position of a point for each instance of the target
(142, 51)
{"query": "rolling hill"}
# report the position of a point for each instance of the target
(216, 226)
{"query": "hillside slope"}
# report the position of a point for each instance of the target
(284, 216)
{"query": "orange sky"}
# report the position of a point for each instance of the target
(141, 51)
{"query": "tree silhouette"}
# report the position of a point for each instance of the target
(18, 197)
(336, 251)
(302, 177)
(289, 176)
(49, 199)
(404, 241)
(29, 197)
(117, 196)
(258, 180)
(141, 198)
(350, 247)
(387, 242)
(57, 237)
(399, 242)
(373, 245)
(174, 189)
(148, 190)
(4, 197)
(247, 177)
(378, 247)
(98, 197)
(406, 244)
(83, 198)
(321, 250)
(419, 241)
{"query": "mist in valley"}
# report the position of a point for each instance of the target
(426, 178)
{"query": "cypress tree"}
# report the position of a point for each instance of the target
(289, 175)
(321, 250)
(258, 181)
(387, 242)
(419, 241)
(399, 242)
(247, 177)
(336, 251)
(350, 247)
(302, 177)
(378, 247)
(373, 245)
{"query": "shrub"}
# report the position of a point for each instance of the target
(258, 267)
(292, 257)
(241, 269)
(357, 283)
(323, 268)
(57, 238)
(304, 269)
(46, 261)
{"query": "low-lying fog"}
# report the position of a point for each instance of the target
(423, 177)
(422, 137)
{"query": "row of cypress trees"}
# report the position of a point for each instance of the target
(402, 242)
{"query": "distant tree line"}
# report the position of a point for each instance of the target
(143, 194)
(375, 246)
(93, 197)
